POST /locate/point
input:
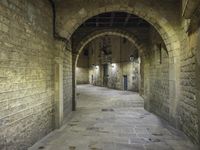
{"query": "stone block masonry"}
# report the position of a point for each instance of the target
(37, 73)
(156, 77)
(27, 58)
(67, 83)
(187, 108)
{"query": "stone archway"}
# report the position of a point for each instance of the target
(116, 32)
(159, 22)
(99, 33)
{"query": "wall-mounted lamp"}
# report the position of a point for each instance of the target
(132, 58)
(113, 65)
(95, 66)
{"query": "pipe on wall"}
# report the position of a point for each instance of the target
(55, 34)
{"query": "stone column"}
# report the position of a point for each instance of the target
(74, 57)
(172, 91)
(58, 92)
(198, 81)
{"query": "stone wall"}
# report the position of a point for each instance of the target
(119, 67)
(27, 59)
(187, 110)
(178, 83)
(67, 83)
(198, 82)
(27, 65)
(82, 68)
(82, 75)
(163, 15)
(140, 33)
(117, 71)
(156, 77)
(72, 15)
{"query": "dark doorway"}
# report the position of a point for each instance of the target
(125, 82)
(105, 75)
(92, 79)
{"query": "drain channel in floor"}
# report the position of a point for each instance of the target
(157, 134)
(154, 140)
(41, 147)
(93, 128)
(72, 124)
(107, 109)
(72, 147)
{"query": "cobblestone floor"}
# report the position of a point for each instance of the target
(108, 119)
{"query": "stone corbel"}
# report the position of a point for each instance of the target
(194, 21)
(189, 7)
(191, 12)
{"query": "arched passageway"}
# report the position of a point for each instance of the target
(168, 111)
(116, 32)
(41, 44)
(104, 60)
(111, 32)
(161, 24)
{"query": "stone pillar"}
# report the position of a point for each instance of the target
(198, 81)
(146, 82)
(58, 92)
(141, 81)
(174, 87)
(74, 57)
(172, 91)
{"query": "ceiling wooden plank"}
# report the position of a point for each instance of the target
(127, 19)
(97, 21)
(112, 18)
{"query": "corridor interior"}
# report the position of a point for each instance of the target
(100, 74)
(108, 119)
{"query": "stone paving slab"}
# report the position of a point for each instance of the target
(109, 119)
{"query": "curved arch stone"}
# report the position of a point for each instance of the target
(117, 32)
(158, 21)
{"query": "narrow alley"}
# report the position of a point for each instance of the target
(108, 119)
